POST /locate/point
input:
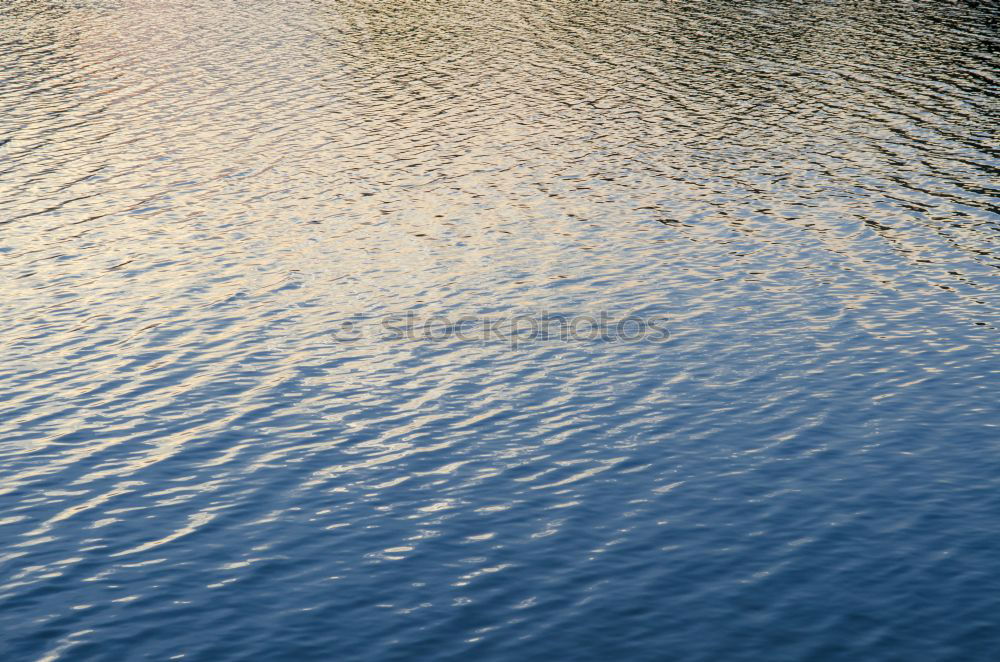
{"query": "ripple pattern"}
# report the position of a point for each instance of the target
(197, 197)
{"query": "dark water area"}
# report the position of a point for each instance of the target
(217, 444)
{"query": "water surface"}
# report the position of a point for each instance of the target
(196, 195)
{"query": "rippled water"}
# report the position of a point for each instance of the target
(197, 195)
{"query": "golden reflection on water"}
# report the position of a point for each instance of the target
(196, 193)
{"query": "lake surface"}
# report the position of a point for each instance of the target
(220, 440)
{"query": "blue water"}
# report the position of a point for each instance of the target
(215, 444)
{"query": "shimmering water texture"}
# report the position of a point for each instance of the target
(196, 195)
